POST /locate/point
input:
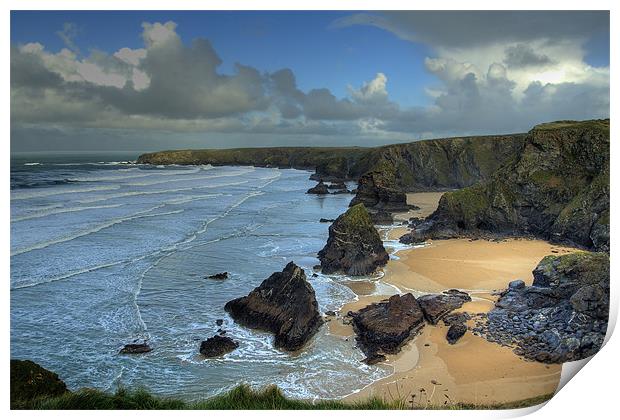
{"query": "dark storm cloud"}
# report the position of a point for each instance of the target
(522, 55)
(454, 29)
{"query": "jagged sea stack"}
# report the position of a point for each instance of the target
(284, 304)
(354, 246)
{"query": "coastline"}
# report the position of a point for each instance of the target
(428, 369)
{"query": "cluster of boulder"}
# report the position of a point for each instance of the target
(337, 187)
(384, 327)
(561, 317)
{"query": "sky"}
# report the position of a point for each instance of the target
(143, 81)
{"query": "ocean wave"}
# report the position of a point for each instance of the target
(47, 193)
(98, 228)
(32, 163)
(184, 179)
(40, 183)
(61, 210)
(138, 193)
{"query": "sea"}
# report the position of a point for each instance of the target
(106, 252)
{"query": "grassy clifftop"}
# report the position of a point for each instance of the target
(337, 162)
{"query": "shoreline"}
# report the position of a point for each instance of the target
(473, 370)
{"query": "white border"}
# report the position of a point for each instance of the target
(590, 395)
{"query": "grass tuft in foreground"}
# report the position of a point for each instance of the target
(241, 397)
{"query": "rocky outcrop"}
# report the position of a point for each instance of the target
(135, 348)
(431, 165)
(556, 187)
(219, 276)
(319, 189)
(562, 316)
(455, 332)
(217, 346)
(378, 190)
(436, 307)
(354, 246)
(30, 381)
(427, 165)
(382, 328)
(284, 304)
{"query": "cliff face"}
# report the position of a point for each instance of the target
(418, 166)
(432, 165)
(556, 188)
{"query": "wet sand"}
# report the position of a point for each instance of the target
(472, 370)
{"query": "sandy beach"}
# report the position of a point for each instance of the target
(430, 370)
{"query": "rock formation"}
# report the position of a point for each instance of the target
(562, 316)
(354, 246)
(436, 307)
(29, 381)
(383, 328)
(455, 332)
(557, 188)
(284, 304)
(219, 276)
(378, 189)
(217, 346)
(135, 348)
(319, 189)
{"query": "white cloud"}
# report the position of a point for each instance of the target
(504, 83)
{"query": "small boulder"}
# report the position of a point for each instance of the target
(516, 284)
(219, 276)
(323, 220)
(217, 346)
(135, 348)
(455, 332)
(435, 307)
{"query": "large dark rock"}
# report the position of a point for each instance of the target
(354, 246)
(557, 188)
(455, 332)
(378, 189)
(383, 328)
(562, 316)
(217, 346)
(135, 348)
(436, 307)
(30, 381)
(284, 304)
(320, 189)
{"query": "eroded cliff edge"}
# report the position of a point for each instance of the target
(555, 188)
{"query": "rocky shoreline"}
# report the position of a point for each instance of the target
(551, 183)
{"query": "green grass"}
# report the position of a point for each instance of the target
(240, 398)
